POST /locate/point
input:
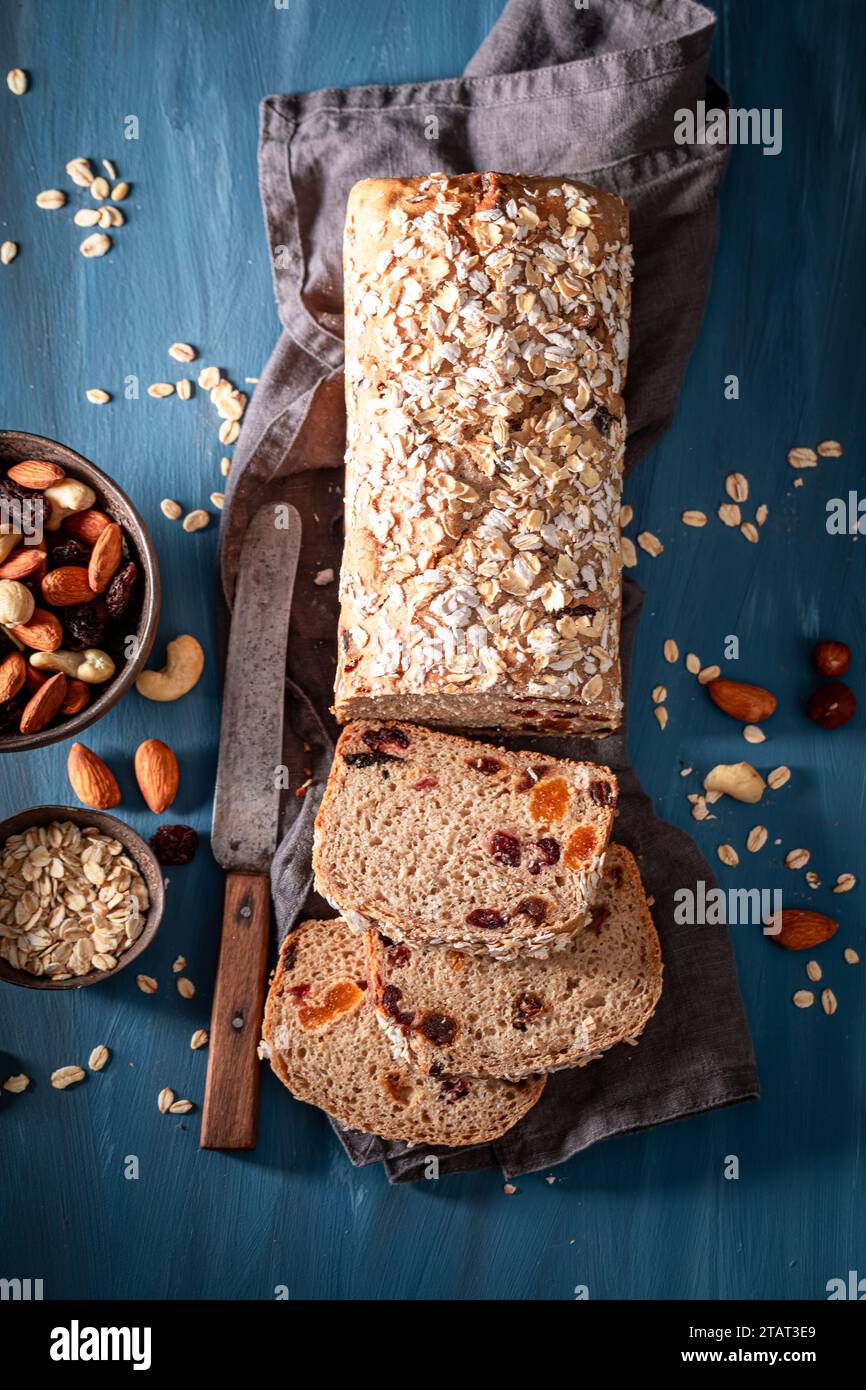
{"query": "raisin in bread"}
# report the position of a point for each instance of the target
(443, 841)
(486, 333)
(324, 1043)
(446, 1011)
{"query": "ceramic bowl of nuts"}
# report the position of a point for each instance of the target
(81, 896)
(79, 592)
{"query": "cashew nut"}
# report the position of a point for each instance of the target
(9, 538)
(65, 498)
(92, 666)
(16, 603)
(184, 663)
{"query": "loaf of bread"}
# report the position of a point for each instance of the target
(448, 1012)
(325, 1044)
(486, 330)
(439, 840)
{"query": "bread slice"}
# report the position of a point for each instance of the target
(446, 1011)
(443, 841)
(326, 1045)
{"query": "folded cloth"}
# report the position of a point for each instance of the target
(553, 90)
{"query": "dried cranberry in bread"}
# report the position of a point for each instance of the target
(325, 1044)
(443, 841)
(486, 333)
(446, 1011)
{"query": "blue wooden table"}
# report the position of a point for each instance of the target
(646, 1216)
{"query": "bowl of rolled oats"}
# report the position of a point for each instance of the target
(81, 897)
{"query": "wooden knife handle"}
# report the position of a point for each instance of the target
(230, 1119)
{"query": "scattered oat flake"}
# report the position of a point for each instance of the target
(797, 858)
(181, 1107)
(709, 673)
(628, 552)
(182, 352)
(509, 1189)
(225, 465)
(183, 388)
(324, 577)
(8, 252)
(699, 809)
(729, 513)
(752, 733)
(830, 449)
(804, 998)
(813, 879)
(97, 244)
(851, 956)
(661, 715)
(828, 1001)
(844, 883)
(660, 694)
(80, 171)
(778, 777)
(146, 983)
(170, 508)
(16, 81)
(626, 515)
(119, 192)
(750, 531)
(218, 500)
(757, 838)
(98, 1057)
(17, 1084)
(99, 188)
(179, 964)
(761, 513)
(165, 1100)
(650, 543)
(728, 855)
(693, 663)
(109, 168)
(196, 520)
(185, 988)
(97, 396)
(694, 518)
(50, 199)
(229, 431)
(66, 1076)
(208, 378)
(199, 1039)
(671, 651)
(802, 457)
(160, 389)
(686, 771)
(814, 971)
(87, 217)
(737, 487)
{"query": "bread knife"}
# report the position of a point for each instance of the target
(246, 819)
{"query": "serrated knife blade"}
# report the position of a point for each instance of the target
(246, 818)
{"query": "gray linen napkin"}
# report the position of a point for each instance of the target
(552, 90)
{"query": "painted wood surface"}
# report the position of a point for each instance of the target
(648, 1215)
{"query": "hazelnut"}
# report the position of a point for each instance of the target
(831, 658)
(831, 705)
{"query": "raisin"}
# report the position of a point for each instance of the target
(290, 957)
(399, 955)
(391, 997)
(385, 940)
(601, 793)
(119, 591)
(577, 610)
(548, 853)
(455, 1090)
(527, 780)
(602, 419)
(526, 1006)
(299, 992)
(174, 844)
(380, 738)
(437, 1069)
(598, 917)
(81, 627)
(439, 1028)
(69, 552)
(369, 759)
(486, 765)
(505, 849)
(486, 917)
(535, 908)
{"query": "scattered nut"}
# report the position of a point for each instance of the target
(183, 666)
(157, 774)
(739, 780)
(831, 658)
(799, 929)
(91, 779)
(832, 705)
(750, 704)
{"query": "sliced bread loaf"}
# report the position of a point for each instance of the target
(326, 1045)
(443, 841)
(447, 1011)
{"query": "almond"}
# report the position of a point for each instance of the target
(13, 673)
(67, 586)
(105, 557)
(93, 782)
(77, 696)
(36, 473)
(42, 707)
(747, 703)
(86, 526)
(42, 632)
(801, 929)
(157, 773)
(27, 560)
